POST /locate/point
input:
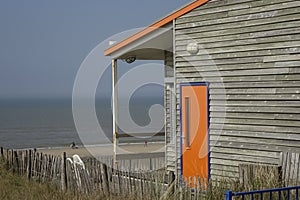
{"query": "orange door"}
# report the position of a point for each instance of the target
(194, 130)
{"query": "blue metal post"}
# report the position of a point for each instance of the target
(228, 195)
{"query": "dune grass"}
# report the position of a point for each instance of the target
(16, 187)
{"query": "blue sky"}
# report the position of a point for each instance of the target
(44, 42)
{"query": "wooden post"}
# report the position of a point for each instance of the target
(63, 172)
(29, 165)
(115, 107)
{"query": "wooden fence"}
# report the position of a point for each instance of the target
(34, 165)
(97, 174)
(285, 174)
(290, 165)
(139, 178)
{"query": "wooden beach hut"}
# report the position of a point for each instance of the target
(232, 82)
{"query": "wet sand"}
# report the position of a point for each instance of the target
(106, 150)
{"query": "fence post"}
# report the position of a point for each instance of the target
(12, 160)
(2, 153)
(29, 165)
(63, 172)
(17, 169)
(7, 159)
(150, 163)
(105, 179)
(228, 195)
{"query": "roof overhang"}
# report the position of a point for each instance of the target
(149, 47)
(148, 43)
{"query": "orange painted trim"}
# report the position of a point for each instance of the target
(155, 26)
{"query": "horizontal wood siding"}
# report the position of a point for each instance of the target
(250, 55)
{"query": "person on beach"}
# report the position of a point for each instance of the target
(73, 145)
(145, 144)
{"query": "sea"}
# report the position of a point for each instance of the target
(49, 123)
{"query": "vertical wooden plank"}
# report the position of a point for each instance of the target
(22, 162)
(297, 168)
(29, 170)
(35, 165)
(99, 178)
(195, 187)
(284, 163)
(7, 159)
(44, 167)
(40, 165)
(115, 107)
(17, 167)
(25, 161)
(287, 169)
(49, 174)
(293, 168)
(241, 174)
(12, 160)
(298, 174)
(292, 165)
(141, 185)
(127, 179)
(128, 182)
(51, 167)
(119, 182)
(63, 172)
(105, 179)
(150, 164)
(199, 187)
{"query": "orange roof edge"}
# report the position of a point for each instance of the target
(155, 26)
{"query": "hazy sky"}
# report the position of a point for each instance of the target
(43, 42)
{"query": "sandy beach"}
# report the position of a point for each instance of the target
(106, 150)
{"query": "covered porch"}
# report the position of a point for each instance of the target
(157, 44)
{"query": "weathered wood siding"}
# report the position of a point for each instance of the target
(251, 58)
(169, 113)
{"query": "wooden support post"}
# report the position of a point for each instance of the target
(115, 108)
(63, 172)
(29, 165)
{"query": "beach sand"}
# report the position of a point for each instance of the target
(106, 150)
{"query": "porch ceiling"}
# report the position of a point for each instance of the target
(150, 47)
